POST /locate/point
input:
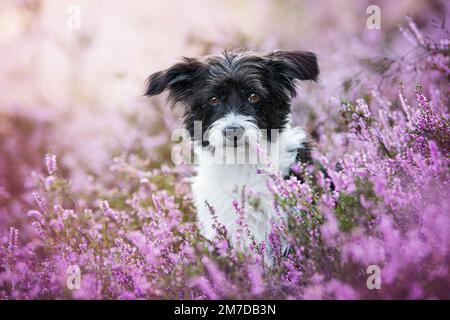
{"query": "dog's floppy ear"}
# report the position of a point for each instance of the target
(287, 66)
(178, 79)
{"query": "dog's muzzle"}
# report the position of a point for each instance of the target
(234, 135)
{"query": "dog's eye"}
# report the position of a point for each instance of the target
(253, 98)
(213, 101)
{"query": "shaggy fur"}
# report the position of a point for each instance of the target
(235, 95)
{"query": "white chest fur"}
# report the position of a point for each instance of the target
(220, 184)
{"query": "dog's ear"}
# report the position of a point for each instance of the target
(287, 66)
(299, 65)
(178, 79)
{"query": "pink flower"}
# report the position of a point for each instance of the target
(50, 162)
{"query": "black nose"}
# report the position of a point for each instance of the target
(234, 132)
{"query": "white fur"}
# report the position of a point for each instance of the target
(220, 184)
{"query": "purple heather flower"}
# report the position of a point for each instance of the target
(50, 162)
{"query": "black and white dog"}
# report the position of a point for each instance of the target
(238, 98)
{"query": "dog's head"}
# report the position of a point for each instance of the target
(235, 94)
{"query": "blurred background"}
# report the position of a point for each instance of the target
(72, 73)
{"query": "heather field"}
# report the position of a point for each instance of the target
(93, 207)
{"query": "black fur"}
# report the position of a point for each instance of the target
(233, 77)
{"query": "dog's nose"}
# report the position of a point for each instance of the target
(233, 132)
